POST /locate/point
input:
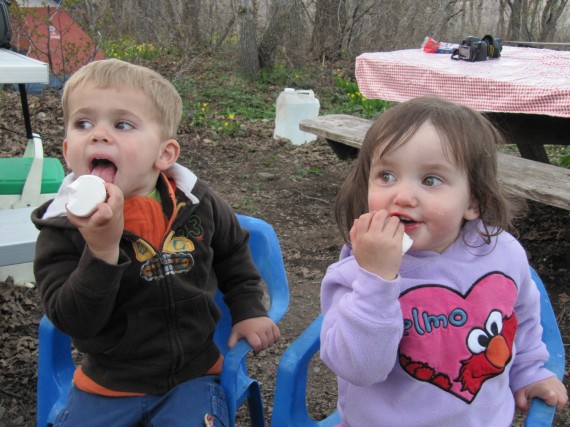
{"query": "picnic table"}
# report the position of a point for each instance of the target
(525, 92)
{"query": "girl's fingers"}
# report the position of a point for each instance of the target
(381, 222)
(375, 223)
(364, 221)
(394, 226)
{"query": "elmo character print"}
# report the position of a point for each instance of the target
(457, 342)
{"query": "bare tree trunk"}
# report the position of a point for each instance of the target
(93, 16)
(281, 16)
(247, 40)
(503, 21)
(528, 22)
(191, 17)
(227, 30)
(296, 35)
(360, 11)
(330, 19)
(515, 29)
(550, 16)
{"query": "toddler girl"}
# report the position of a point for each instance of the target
(448, 334)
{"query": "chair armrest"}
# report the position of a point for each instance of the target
(541, 414)
(233, 366)
(290, 404)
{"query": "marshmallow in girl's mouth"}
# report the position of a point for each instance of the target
(84, 194)
(407, 243)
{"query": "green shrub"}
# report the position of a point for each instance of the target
(129, 50)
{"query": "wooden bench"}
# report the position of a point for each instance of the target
(540, 45)
(536, 181)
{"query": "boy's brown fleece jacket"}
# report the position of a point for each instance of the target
(147, 323)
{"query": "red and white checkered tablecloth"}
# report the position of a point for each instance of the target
(522, 80)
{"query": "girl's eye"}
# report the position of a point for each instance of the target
(124, 126)
(387, 177)
(84, 124)
(432, 181)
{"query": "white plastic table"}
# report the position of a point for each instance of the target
(17, 233)
(17, 68)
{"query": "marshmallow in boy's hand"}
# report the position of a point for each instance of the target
(84, 194)
(407, 243)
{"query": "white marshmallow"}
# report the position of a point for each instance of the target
(84, 194)
(407, 243)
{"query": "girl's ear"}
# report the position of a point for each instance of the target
(472, 212)
(169, 152)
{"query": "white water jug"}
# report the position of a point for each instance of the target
(292, 106)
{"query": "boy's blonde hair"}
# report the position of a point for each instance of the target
(117, 74)
(470, 140)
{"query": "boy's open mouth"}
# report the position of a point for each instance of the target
(104, 169)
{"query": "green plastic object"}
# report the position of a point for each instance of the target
(14, 171)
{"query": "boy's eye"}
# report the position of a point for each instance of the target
(124, 126)
(84, 124)
(387, 177)
(432, 181)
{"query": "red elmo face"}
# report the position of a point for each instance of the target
(491, 347)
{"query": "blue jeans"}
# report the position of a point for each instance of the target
(185, 405)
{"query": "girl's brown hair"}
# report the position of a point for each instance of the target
(470, 141)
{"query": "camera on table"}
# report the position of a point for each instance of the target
(473, 49)
(494, 46)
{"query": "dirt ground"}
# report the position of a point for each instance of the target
(292, 188)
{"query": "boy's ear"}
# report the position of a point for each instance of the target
(473, 211)
(170, 150)
(65, 153)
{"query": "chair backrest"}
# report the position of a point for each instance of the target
(56, 367)
(290, 403)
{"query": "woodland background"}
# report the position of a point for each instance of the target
(230, 59)
(264, 34)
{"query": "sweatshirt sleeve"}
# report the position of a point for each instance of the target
(237, 275)
(531, 352)
(78, 290)
(362, 325)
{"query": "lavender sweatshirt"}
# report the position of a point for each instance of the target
(446, 343)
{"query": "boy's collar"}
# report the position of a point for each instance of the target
(184, 178)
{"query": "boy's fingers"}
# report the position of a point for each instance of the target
(232, 340)
(276, 333)
(255, 341)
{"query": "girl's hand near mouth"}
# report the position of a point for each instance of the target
(376, 240)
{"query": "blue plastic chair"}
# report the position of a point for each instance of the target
(290, 404)
(56, 367)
